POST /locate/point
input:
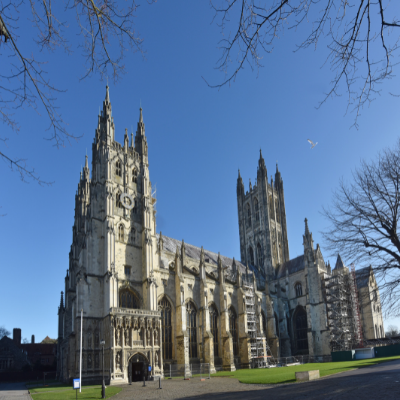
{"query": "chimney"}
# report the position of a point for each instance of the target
(33, 339)
(17, 336)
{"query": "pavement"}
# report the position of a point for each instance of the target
(378, 381)
(375, 382)
(14, 391)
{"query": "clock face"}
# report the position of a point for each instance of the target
(127, 201)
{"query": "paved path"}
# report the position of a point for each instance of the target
(376, 382)
(14, 391)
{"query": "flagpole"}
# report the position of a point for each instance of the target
(80, 357)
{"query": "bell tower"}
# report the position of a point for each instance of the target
(262, 221)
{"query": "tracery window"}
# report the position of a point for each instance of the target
(121, 233)
(278, 214)
(259, 256)
(298, 289)
(271, 208)
(257, 210)
(233, 330)
(128, 299)
(191, 315)
(300, 330)
(166, 327)
(134, 175)
(248, 216)
(214, 327)
(251, 255)
(118, 169)
(118, 200)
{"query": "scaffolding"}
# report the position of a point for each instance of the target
(258, 358)
(342, 309)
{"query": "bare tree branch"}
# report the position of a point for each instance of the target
(362, 51)
(364, 220)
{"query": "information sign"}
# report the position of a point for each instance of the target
(77, 383)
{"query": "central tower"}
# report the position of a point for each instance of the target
(262, 221)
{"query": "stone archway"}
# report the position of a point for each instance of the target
(138, 367)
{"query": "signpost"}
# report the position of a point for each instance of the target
(77, 385)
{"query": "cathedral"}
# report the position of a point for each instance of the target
(149, 300)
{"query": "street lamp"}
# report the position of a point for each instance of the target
(103, 388)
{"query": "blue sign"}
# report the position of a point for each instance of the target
(149, 368)
(77, 383)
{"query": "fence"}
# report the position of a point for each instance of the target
(187, 371)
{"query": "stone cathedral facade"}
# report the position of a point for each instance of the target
(151, 300)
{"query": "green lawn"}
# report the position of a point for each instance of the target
(287, 374)
(66, 392)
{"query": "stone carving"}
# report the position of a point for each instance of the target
(126, 337)
(135, 323)
(96, 361)
(117, 337)
(156, 337)
(96, 340)
(89, 340)
(156, 359)
(148, 338)
(89, 361)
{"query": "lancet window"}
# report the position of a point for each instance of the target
(166, 326)
(278, 214)
(214, 327)
(248, 216)
(118, 200)
(191, 315)
(300, 329)
(259, 255)
(251, 255)
(233, 330)
(257, 210)
(134, 175)
(121, 233)
(298, 289)
(118, 169)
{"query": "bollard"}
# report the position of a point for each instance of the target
(159, 382)
(144, 381)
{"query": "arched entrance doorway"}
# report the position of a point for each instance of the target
(138, 367)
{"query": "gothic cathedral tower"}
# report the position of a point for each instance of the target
(262, 222)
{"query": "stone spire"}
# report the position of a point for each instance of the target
(62, 301)
(140, 138)
(239, 186)
(307, 237)
(339, 263)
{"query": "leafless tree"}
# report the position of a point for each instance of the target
(364, 223)
(391, 330)
(106, 33)
(362, 52)
(4, 332)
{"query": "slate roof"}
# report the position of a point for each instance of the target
(362, 277)
(292, 266)
(194, 253)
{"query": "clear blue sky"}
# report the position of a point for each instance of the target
(198, 138)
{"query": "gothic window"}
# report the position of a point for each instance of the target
(118, 200)
(300, 330)
(127, 270)
(271, 209)
(127, 299)
(248, 216)
(257, 210)
(376, 332)
(259, 256)
(274, 251)
(233, 330)
(278, 214)
(89, 361)
(214, 328)
(191, 315)
(298, 289)
(96, 340)
(134, 175)
(121, 233)
(251, 256)
(118, 169)
(280, 252)
(166, 326)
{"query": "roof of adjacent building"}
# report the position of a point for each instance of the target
(362, 277)
(292, 266)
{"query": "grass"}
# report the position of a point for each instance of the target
(64, 392)
(287, 374)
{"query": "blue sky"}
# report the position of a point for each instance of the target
(198, 139)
